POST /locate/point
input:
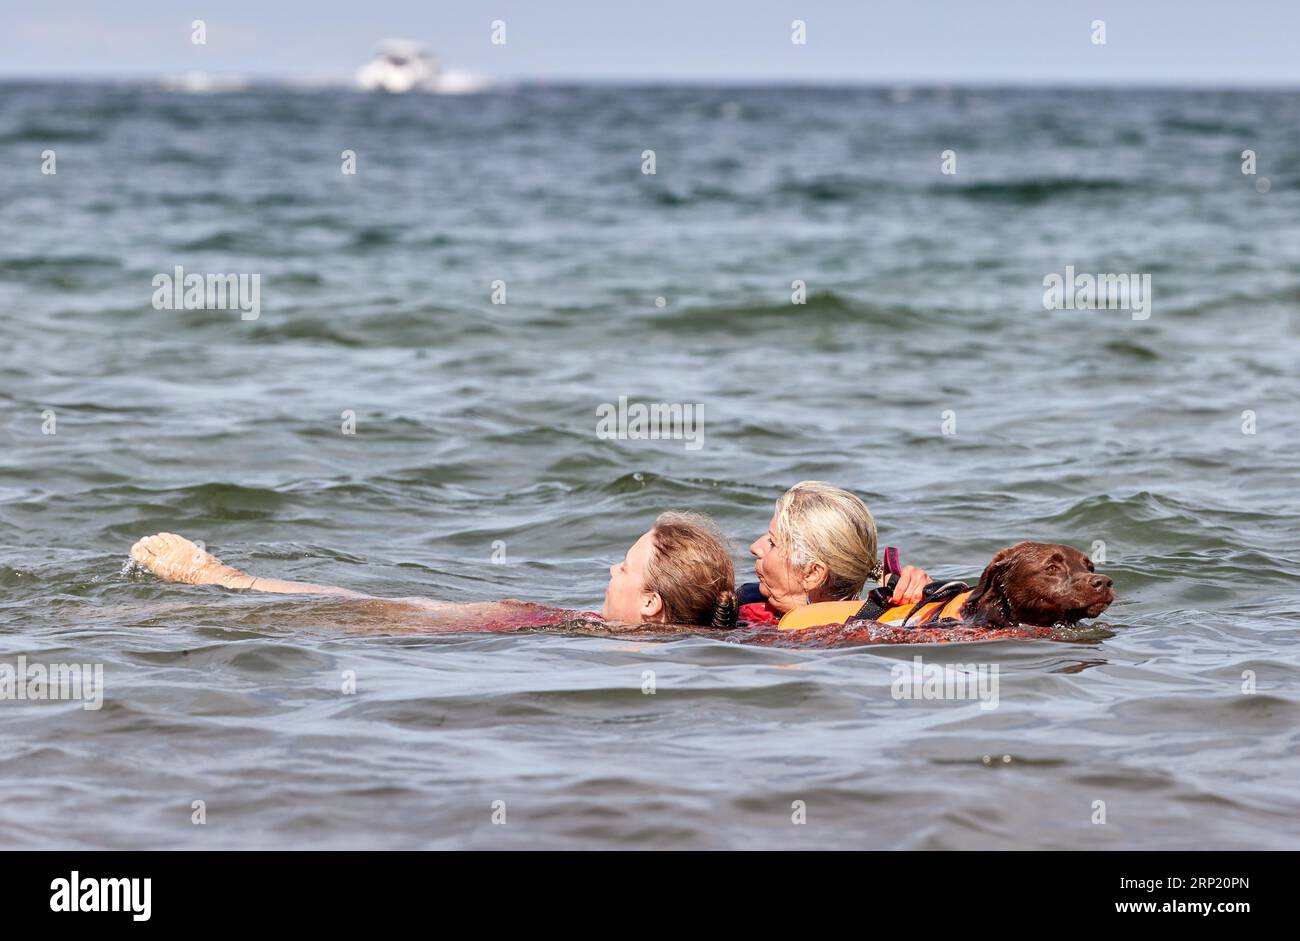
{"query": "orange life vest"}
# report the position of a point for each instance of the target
(904, 615)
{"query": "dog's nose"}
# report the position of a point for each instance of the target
(1101, 581)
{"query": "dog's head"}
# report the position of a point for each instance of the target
(1039, 583)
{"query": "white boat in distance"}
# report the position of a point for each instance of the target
(404, 66)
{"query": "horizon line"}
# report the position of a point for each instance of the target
(248, 81)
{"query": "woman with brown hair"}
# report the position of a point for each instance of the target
(678, 572)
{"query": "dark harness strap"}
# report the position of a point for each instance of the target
(878, 602)
(878, 598)
(934, 592)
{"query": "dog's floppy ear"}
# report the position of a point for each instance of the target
(989, 601)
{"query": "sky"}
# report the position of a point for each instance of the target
(1166, 42)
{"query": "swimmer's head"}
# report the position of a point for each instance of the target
(820, 546)
(678, 573)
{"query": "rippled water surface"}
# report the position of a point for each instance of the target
(476, 433)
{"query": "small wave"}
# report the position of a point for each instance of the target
(17, 267)
(205, 198)
(222, 501)
(423, 327)
(1143, 507)
(190, 158)
(51, 134)
(819, 189)
(699, 194)
(1028, 192)
(68, 272)
(227, 240)
(826, 189)
(376, 236)
(822, 307)
(1132, 350)
(1207, 126)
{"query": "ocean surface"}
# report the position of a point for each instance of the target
(1169, 446)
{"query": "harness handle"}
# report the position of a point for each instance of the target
(892, 566)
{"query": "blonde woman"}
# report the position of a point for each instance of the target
(820, 546)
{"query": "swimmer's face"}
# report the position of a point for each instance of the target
(784, 587)
(626, 600)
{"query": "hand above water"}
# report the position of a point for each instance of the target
(910, 583)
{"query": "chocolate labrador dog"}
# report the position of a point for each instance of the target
(1024, 591)
(1038, 583)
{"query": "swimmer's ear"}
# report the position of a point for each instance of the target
(814, 576)
(652, 606)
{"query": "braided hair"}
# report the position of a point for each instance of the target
(725, 610)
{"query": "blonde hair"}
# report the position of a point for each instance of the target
(691, 571)
(821, 523)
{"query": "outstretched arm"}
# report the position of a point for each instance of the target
(175, 559)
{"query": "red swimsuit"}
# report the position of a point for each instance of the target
(526, 614)
(758, 613)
